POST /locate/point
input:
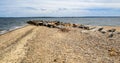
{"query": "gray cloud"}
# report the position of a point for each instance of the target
(29, 8)
(43, 9)
(59, 7)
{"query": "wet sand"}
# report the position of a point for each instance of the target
(40, 44)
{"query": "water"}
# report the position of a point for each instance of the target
(7, 24)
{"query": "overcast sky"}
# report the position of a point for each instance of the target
(59, 8)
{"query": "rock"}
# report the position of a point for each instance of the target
(75, 25)
(58, 23)
(91, 27)
(84, 27)
(59, 26)
(85, 31)
(40, 23)
(67, 24)
(35, 22)
(118, 32)
(51, 26)
(110, 35)
(103, 31)
(99, 28)
(32, 22)
(45, 24)
(112, 30)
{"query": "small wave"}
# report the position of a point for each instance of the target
(3, 31)
(12, 28)
(15, 27)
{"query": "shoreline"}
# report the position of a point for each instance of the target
(10, 30)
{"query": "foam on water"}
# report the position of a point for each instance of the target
(16, 27)
(12, 28)
(3, 31)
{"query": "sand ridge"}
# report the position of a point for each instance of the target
(40, 44)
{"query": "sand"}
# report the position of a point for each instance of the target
(40, 44)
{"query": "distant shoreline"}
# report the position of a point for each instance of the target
(69, 17)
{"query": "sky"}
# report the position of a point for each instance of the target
(59, 8)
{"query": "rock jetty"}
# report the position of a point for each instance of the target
(65, 26)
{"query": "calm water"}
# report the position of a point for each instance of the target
(7, 24)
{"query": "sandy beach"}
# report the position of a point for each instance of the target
(40, 44)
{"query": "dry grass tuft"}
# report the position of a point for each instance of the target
(113, 52)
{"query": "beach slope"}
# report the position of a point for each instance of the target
(40, 44)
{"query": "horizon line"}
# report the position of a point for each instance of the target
(59, 17)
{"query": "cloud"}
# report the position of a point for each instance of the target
(59, 7)
(29, 8)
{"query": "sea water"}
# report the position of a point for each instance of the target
(11, 23)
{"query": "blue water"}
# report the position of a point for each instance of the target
(7, 24)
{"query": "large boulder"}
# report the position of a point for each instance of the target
(35, 22)
(32, 22)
